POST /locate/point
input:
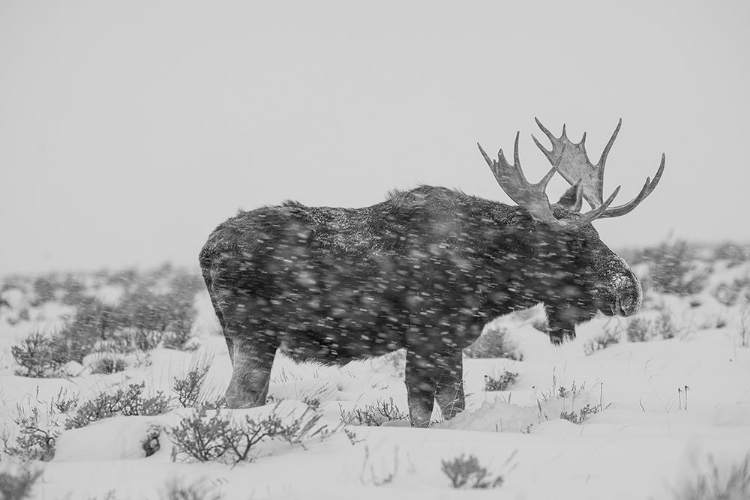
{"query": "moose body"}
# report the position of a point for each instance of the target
(424, 270)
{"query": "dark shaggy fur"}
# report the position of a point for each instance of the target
(424, 270)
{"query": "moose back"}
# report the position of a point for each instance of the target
(424, 270)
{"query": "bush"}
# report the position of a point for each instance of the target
(189, 387)
(578, 418)
(93, 322)
(734, 292)
(74, 291)
(62, 403)
(179, 339)
(466, 472)
(373, 415)
(35, 441)
(490, 344)
(39, 355)
(154, 307)
(162, 302)
(177, 490)
(499, 383)
(575, 392)
(639, 329)
(208, 438)
(18, 484)
(45, 288)
(608, 337)
(145, 339)
(664, 326)
(124, 401)
(735, 254)
(712, 486)
(672, 268)
(107, 364)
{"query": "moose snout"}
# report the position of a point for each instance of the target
(626, 304)
(625, 293)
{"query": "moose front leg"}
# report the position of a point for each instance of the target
(430, 377)
(450, 387)
(560, 325)
(420, 387)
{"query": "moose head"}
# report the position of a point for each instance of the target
(564, 238)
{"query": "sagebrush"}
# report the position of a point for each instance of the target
(205, 437)
(125, 401)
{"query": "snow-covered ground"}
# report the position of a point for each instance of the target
(670, 413)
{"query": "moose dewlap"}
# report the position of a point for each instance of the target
(423, 270)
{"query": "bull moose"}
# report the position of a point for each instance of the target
(424, 270)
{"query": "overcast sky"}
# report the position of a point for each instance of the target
(129, 130)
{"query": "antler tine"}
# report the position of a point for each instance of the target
(575, 166)
(568, 159)
(512, 180)
(598, 212)
(545, 130)
(555, 153)
(648, 187)
(605, 153)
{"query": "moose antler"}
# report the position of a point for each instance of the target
(532, 197)
(573, 163)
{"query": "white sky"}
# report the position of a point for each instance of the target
(129, 130)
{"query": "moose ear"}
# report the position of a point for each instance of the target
(573, 197)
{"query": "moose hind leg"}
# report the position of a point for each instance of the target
(251, 372)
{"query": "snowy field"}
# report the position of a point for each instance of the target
(659, 409)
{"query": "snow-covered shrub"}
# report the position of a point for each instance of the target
(664, 324)
(74, 291)
(39, 355)
(124, 401)
(373, 415)
(499, 382)
(466, 472)
(62, 403)
(151, 306)
(490, 344)
(608, 337)
(716, 485)
(672, 268)
(161, 301)
(730, 294)
(45, 289)
(17, 481)
(735, 254)
(36, 438)
(639, 329)
(107, 364)
(205, 438)
(181, 335)
(579, 417)
(178, 490)
(360, 416)
(567, 396)
(188, 388)
(145, 339)
(94, 322)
